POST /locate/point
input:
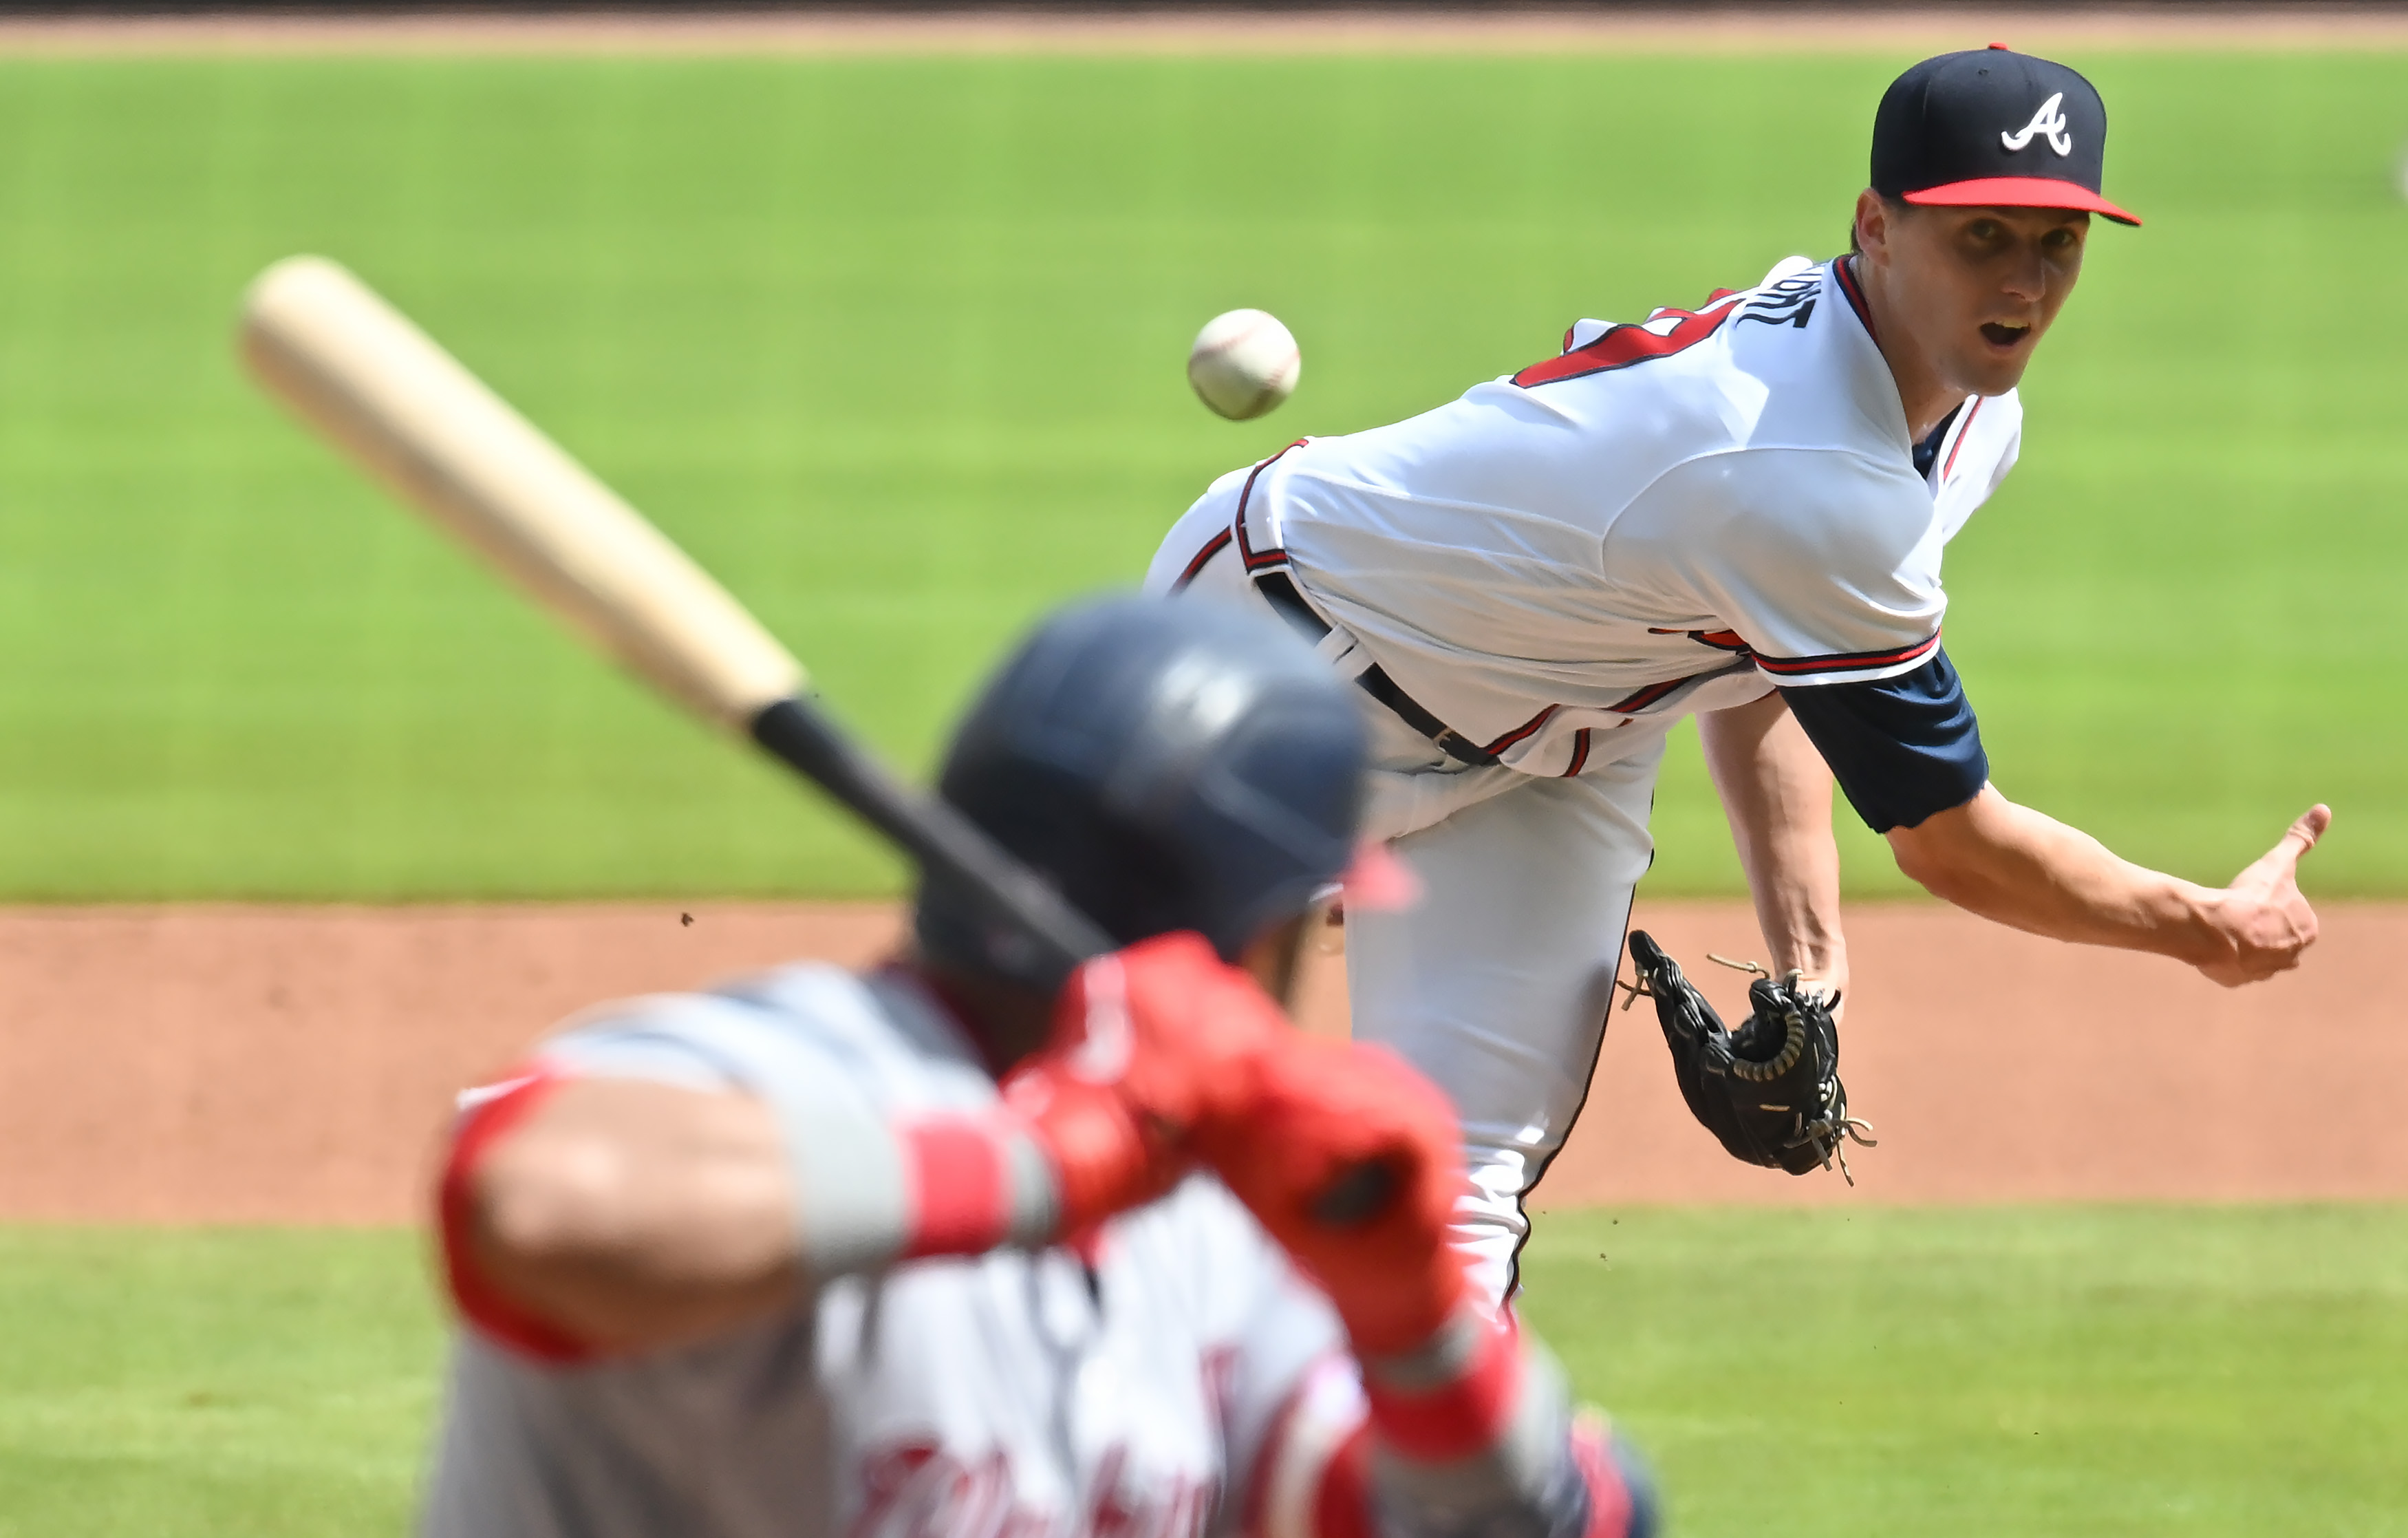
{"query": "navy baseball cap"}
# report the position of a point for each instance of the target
(1993, 128)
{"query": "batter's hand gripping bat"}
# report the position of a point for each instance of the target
(380, 389)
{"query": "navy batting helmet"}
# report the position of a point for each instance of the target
(1168, 764)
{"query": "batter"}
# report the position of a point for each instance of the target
(784, 1260)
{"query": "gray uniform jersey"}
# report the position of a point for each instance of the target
(1127, 1389)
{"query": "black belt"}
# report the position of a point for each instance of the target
(1280, 591)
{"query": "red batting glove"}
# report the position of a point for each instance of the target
(1106, 1158)
(1353, 1161)
(1149, 1044)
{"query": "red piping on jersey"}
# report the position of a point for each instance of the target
(1257, 560)
(1964, 430)
(1213, 547)
(1847, 662)
(1639, 699)
(1844, 270)
(1580, 754)
(1721, 641)
(483, 1305)
(1525, 729)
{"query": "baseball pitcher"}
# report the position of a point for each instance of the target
(1735, 513)
(962, 1247)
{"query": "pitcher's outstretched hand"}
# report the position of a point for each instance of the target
(2261, 917)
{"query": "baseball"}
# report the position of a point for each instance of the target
(1243, 363)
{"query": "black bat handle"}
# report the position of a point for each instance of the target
(799, 734)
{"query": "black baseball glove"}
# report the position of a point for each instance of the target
(1770, 1090)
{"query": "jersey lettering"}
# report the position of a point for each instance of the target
(1790, 300)
(916, 1490)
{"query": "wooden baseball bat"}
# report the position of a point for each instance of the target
(382, 391)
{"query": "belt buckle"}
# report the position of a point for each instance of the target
(1461, 748)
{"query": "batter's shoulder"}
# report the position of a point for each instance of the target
(883, 1032)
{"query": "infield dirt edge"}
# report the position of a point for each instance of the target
(252, 1064)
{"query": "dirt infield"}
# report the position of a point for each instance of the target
(257, 1064)
(1204, 30)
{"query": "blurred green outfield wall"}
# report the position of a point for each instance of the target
(895, 346)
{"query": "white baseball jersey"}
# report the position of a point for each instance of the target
(1130, 1392)
(1670, 516)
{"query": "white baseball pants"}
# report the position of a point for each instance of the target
(1498, 982)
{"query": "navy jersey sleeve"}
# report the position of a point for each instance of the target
(1901, 748)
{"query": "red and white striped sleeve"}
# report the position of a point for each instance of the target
(872, 1185)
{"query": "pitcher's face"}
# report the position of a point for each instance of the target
(1974, 289)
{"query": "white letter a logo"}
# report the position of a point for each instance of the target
(2048, 120)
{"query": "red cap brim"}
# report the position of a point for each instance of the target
(2019, 192)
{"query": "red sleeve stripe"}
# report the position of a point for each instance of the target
(1255, 560)
(1459, 1418)
(1848, 662)
(1213, 547)
(482, 1305)
(960, 1186)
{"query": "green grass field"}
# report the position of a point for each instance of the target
(2010, 1374)
(895, 346)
